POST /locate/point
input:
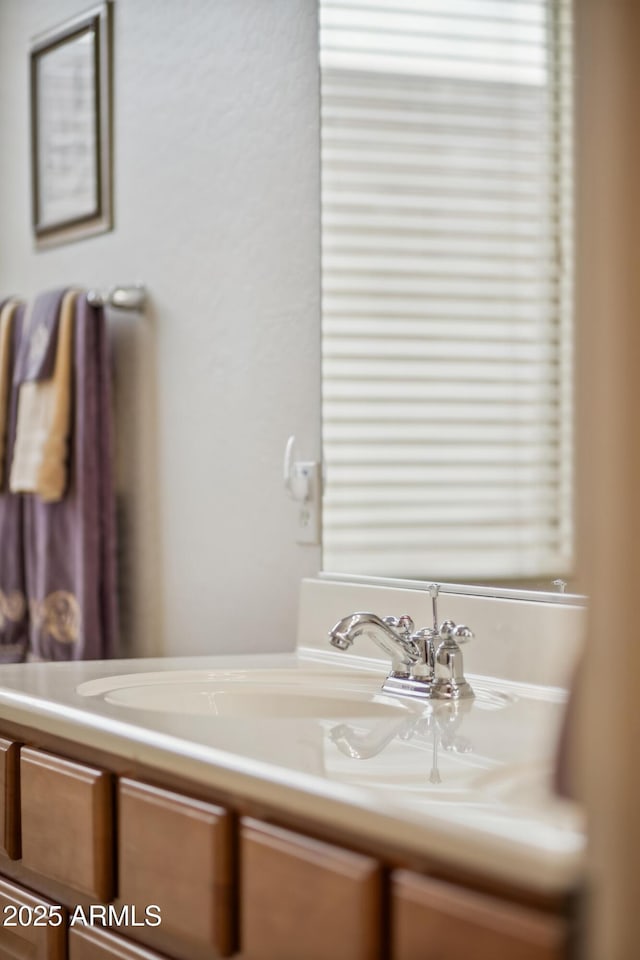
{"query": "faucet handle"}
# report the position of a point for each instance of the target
(463, 634)
(450, 632)
(446, 629)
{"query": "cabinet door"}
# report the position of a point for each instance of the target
(34, 937)
(9, 799)
(94, 944)
(432, 920)
(175, 852)
(67, 827)
(301, 898)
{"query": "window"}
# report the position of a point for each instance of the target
(447, 287)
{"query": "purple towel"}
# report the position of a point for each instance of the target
(13, 606)
(70, 546)
(37, 352)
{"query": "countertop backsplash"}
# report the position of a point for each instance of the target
(526, 641)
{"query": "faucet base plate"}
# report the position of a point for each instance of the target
(406, 686)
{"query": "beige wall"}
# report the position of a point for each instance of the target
(608, 321)
(217, 211)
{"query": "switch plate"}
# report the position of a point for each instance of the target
(309, 510)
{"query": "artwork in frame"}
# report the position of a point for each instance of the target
(71, 108)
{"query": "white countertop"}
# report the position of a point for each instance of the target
(483, 803)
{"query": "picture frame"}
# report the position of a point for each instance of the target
(71, 129)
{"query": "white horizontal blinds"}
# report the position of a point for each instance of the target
(446, 287)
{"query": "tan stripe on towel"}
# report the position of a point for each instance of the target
(44, 419)
(6, 326)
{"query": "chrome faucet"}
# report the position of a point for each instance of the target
(424, 663)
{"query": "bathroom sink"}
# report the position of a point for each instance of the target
(248, 694)
(286, 693)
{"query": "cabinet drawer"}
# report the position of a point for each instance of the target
(94, 944)
(67, 815)
(432, 920)
(37, 940)
(9, 799)
(304, 898)
(175, 852)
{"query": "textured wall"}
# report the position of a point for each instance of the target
(217, 210)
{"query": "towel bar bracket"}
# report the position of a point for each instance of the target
(124, 297)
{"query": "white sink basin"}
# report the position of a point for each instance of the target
(248, 694)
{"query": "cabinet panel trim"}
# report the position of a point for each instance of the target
(67, 822)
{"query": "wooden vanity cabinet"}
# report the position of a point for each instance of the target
(67, 822)
(302, 898)
(9, 799)
(225, 881)
(29, 941)
(93, 944)
(434, 920)
(176, 852)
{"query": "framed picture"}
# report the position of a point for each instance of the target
(71, 129)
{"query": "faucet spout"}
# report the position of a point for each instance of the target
(403, 650)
